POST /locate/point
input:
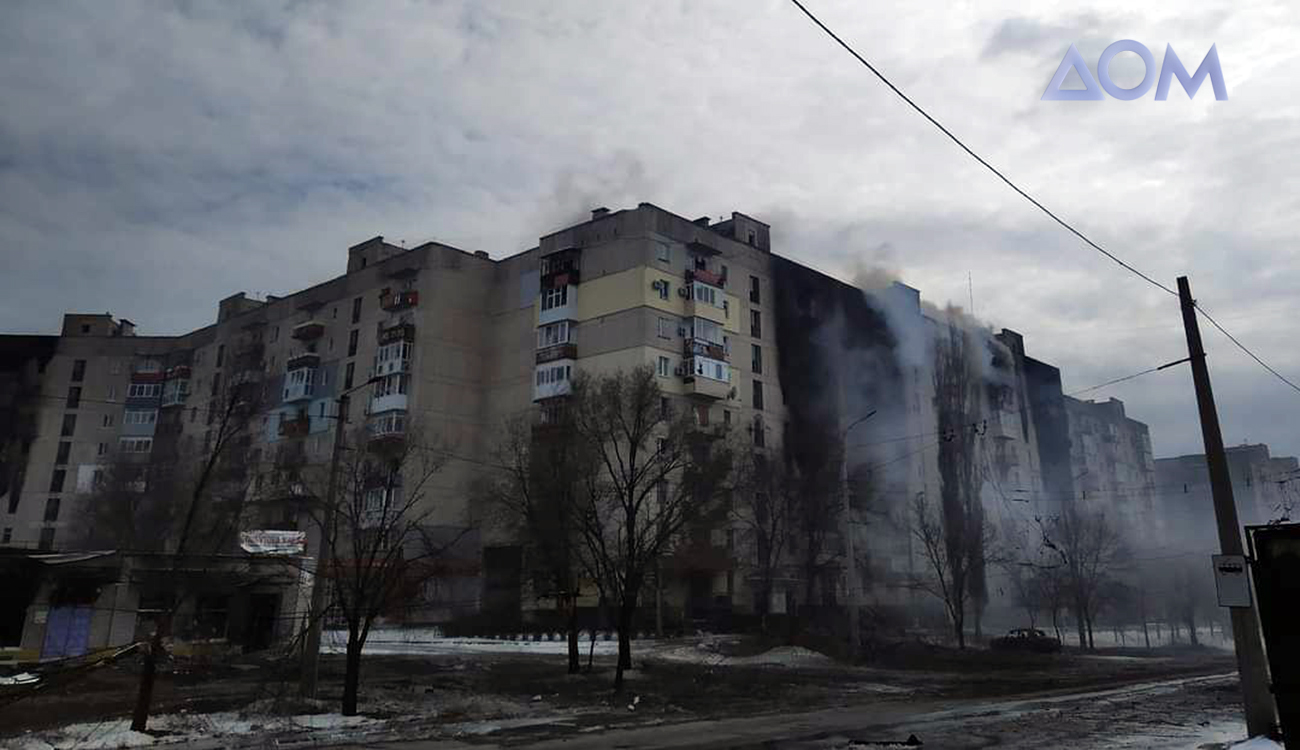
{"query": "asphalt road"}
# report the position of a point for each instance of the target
(1173, 714)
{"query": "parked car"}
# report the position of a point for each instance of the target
(1027, 639)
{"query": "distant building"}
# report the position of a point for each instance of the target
(1113, 466)
(1266, 488)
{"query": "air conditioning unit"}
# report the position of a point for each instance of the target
(683, 292)
(732, 394)
(657, 285)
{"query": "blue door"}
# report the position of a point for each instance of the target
(67, 632)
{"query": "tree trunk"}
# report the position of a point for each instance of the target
(1191, 631)
(352, 675)
(575, 658)
(149, 674)
(625, 614)
(979, 617)
(959, 630)
(1092, 646)
(1146, 634)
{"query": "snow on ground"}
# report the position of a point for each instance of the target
(183, 728)
(1257, 743)
(22, 678)
(430, 641)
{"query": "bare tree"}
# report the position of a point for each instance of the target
(817, 501)
(536, 492)
(766, 497)
(950, 547)
(956, 395)
(214, 483)
(1091, 552)
(654, 472)
(381, 546)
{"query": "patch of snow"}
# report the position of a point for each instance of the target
(22, 678)
(1257, 743)
(417, 642)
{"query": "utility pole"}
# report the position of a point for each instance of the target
(311, 644)
(1261, 715)
(851, 581)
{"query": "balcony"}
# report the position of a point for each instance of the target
(175, 392)
(387, 428)
(553, 379)
(705, 276)
(148, 377)
(295, 426)
(300, 380)
(388, 402)
(395, 301)
(394, 334)
(309, 331)
(708, 378)
(303, 361)
(557, 351)
(707, 349)
(180, 372)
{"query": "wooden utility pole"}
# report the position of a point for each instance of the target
(1261, 715)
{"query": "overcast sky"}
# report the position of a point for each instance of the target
(155, 157)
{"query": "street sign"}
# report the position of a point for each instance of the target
(1232, 579)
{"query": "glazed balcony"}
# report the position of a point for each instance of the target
(388, 428)
(388, 402)
(707, 378)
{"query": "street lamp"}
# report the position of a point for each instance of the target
(851, 568)
(311, 644)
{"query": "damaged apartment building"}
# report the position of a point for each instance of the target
(452, 344)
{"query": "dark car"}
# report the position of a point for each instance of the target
(1027, 639)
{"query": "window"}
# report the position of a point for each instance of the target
(56, 480)
(136, 445)
(108, 420)
(74, 397)
(65, 450)
(69, 425)
(758, 394)
(334, 312)
(702, 415)
(552, 334)
(153, 390)
(726, 417)
(85, 328)
(47, 533)
(397, 351)
(221, 354)
(555, 297)
(665, 367)
(52, 510)
(665, 289)
(216, 383)
(760, 433)
(112, 392)
(556, 374)
(749, 238)
(706, 293)
(356, 310)
(661, 490)
(275, 333)
(8, 535)
(665, 328)
(102, 449)
(753, 289)
(704, 329)
(78, 370)
(663, 252)
(756, 359)
(116, 367)
(392, 385)
(663, 407)
(149, 365)
(348, 374)
(755, 324)
(352, 342)
(140, 417)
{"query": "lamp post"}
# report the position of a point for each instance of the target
(851, 564)
(311, 643)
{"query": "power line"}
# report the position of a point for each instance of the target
(976, 156)
(1147, 371)
(1068, 227)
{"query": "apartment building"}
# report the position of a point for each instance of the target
(1114, 467)
(443, 346)
(1264, 487)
